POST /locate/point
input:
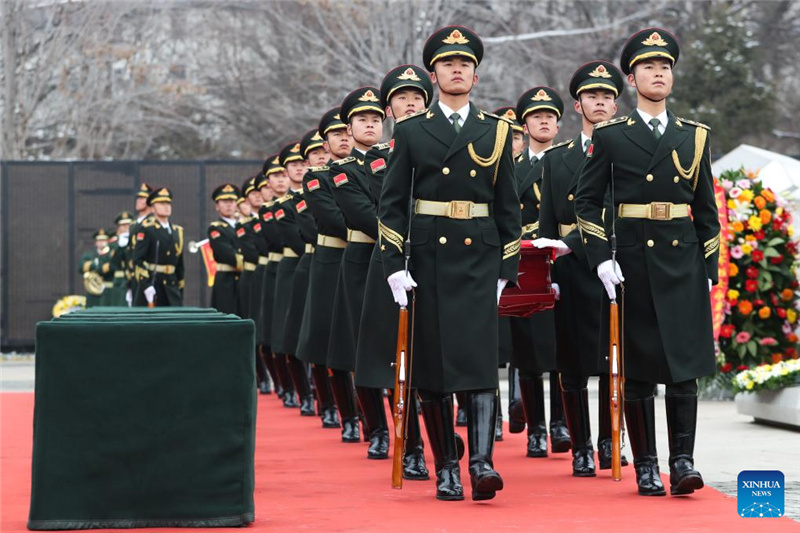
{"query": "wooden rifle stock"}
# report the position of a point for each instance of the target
(401, 398)
(616, 381)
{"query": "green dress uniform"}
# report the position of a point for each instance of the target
(90, 265)
(667, 246)
(120, 252)
(158, 258)
(264, 365)
(224, 241)
(246, 236)
(106, 270)
(144, 191)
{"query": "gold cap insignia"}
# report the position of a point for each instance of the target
(510, 115)
(227, 188)
(316, 137)
(337, 117)
(143, 187)
(541, 96)
(654, 40)
(409, 75)
(455, 37)
(163, 192)
(295, 148)
(276, 161)
(600, 72)
(368, 96)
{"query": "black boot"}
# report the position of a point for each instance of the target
(640, 415)
(576, 407)
(330, 418)
(282, 367)
(414, 459)
(559, 434)
(498, 428)
(531, 392)
(266, 356)
(264, 381)
(516, 413)
(345, 396)
(371, 401)
(297, 370)
(437, 412)
(461, 414)
(682, 422)
(604, 429)
(481, 416)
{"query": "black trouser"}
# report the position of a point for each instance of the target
(639, 390)
(556, 403)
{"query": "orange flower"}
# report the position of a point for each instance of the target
(787, 295)
(792, 337)
(764, 313)
(768, 195)
(738, 227)
(777, 358)
(760, 202)
(745, 307)
(733, 270)
(766, 216)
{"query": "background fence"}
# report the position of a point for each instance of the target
(49, 211)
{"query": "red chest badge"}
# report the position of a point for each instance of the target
(279, 214)
(240, 232)
(301, 206)
(268, 216)
(340, 179)
(391, 146)
(312, 185)
(378, 165)
(257, 227)
(139, 236)
(214, 234)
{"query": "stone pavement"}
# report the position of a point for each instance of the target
(727, 442)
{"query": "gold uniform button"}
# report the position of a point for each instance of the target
(522, 206)
(468, 241)
(649, 177)
(650, 243)
(445, 171)
(472, 173)
(571, 197)
(676, 179)
(675, 242)
(443, 240)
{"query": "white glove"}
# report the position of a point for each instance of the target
(559, 246)
(501, 284)
(611, 275)
(129, 297)
(557, 289)
(401, 283)
(150, 294)
(710, 284)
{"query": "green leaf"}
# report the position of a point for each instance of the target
(752, 347)
(771, 252)
(776, 241)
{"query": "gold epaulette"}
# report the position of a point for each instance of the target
(177, 227)
(559, 145)
(218, 224)
(344, 161)
(382, 146)
(693, 123)
(512, 122)
(406, 117)
(269, 204)
(148, 222)
(285, 197)
(618, 120)
(323, 168)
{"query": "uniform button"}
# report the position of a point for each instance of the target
(472, 173)
(442, 240)
(650, 243)
(571, 197)
(675, 242)
(676, 179)
(522, 206)
(468, 241)
(445, 171)
(649, 177)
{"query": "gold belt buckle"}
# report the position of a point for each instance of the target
(660, 211)
(461, 210)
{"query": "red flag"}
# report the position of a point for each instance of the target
(209, 262)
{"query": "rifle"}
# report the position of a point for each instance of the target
(403, 366)
(616, 361)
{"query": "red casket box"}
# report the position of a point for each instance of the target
(534, 291)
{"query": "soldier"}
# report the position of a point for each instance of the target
(315, 331)
(119, 253)
(362, 112)
(91, 266)
(284, 333)
(462, 253)
(518, 142)
(143, 211)
(158, 256)
(405, 90)
(226, 248)
(256, 199)
(538, 110)
(246, 236)
(657, 166)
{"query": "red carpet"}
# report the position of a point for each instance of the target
(306, 479)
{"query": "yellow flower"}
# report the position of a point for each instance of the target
(755, 223)
(791, 315)
(779, 211)
(747, 249)
(733, 294)
(731, 204)
(746, 195)
(790, 230)
(749, 385)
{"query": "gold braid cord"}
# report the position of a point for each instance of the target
(711, 246)
(586, 227)
(391, 236)
(693, 172)
(499, 142)
(511, 249)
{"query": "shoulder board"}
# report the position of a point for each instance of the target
(345, 160)
(521, 157)
(618, 120)
(148, 222)
(285, 198)
(319, 169)
(559, 145)
(218, 224)
(382, 146)
(406, 117)
(498, 117)
(270, 203)
(693, 123)
(177, 227)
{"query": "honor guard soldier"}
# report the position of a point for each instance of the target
(658, 169)
(246, 236)
(143, 211)
(539, 110)
(158, 256)
(119, 252)
(452, 165)
(595, 87)
(405, 90)
(315, 332)
(361, 110)
(227, 251)
(91, 266)
(518, 143)
(256, 199)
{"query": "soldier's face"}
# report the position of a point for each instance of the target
(245, 209)
(652, 78)
(454, 75)
(226, 208)
(339, 142)
(366, 128)
(541, 125)
(596, 106)
(318, 157)
(162, 209)
(100, 244)
(254, 198)
(296, 170)
(266, 193)
(279, 183)
(405, 102)
(518, 143)
(123, 228)
(141, 204)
